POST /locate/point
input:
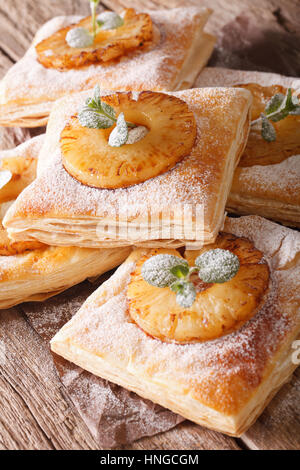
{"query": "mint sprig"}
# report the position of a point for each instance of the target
(109, 20)
(81, 37)
(159, 269)
(119, 135)
(96, 114)
(213, 266)
(278, 107)
(93, 6)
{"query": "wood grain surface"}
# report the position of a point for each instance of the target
(35, 411)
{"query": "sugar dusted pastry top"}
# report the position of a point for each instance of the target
(215, 76)
(156, 67)
(269, 176)
(195, 180)
(222, 374)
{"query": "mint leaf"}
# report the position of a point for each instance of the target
(267, 129)
(185, 293)
(285, 108)
(274, 103)
(109, 20)
(180, 271)
(94, 120)
(279, 107)
(157, 269)
(289, 105)
(97, 94)
(108, 110)
(119, 135)
(79, 38)
(97, 114)
(217, 265)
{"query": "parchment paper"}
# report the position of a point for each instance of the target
(113, 415)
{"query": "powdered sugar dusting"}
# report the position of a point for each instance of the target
(198, 179)
(30, 147)
(154, 68)
(222, 373)
(283, 179)
(218, 76)
(113, 415)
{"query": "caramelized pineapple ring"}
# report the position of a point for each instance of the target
(135, 33)
(88, 157)
(260, 152)
(23, 170)
(219, 309)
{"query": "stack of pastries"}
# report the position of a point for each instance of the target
(136, 170)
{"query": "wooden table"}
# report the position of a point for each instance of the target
(35, 412)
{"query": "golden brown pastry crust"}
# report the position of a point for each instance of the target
(32, 271)
(223, 384)
(38, 274)
(267, 180)
(179, 51)
(59, 210)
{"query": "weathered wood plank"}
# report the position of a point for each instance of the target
(5, 63)
(252, 34)
(187, 436)
(27, 16)
(10, 137)
(34, 412)
(279, 425)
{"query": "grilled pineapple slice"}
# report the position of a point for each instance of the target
(219, 309)
(136, 32)
(171, 134)
(260, 152)
(23, 170)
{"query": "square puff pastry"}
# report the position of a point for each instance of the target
(33, 271)
(180, 50)
(58, 210)
(270, 189)
(223, 384)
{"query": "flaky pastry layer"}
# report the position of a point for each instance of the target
(39, 274)
(269, 190)
(183, 205)
(30, 271)
(222, 384)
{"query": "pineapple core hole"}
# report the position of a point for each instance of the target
(136, 134)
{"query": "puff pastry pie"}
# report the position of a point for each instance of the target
(178, 51)
(33, 271)
(184, 204)
(222, 383)
(267, 180)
